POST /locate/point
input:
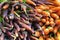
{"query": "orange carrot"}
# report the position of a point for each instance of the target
(30, 2)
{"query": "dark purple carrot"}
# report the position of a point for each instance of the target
(17, 18)
(5, 13)
(42, 2)
(31, 15)
(24, 38)
(38, 15)
(16, 33)
(21, 36)
(1, 24)
(6, 19)
(40, 28)
(0, 31)
(26, 26)
(37, 19)
(11, 23)
(3, 30)
(25, 21)
(17, 26)
(38, 2)
(23, 16)
(7, 28)
(48, 3)
(33, 38)
(8, 33)
(25, 35)
(28, 38)
(2, 37)
(8, 25)
(22, 29)
(1, 27)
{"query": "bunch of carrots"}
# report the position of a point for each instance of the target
(30, 20)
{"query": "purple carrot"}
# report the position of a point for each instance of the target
(26, 26)
(17, 26)
(5, 13)
(2, 37)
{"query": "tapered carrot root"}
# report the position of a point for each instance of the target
(26, 26)
(55, 16)
(58, 22)
(34, 38)
(57, 2)
(55, 9)
(58, 36)
(30, 2)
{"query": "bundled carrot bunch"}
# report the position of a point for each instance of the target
(29, 20)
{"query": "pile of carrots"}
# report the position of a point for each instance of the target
(30, 20)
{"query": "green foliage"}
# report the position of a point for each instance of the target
(46, 10)
(1, 19)
(3, 1)
(24, 1)
(48, 27)
(28, 9)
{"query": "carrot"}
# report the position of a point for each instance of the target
(58, 22)
(43, 7)
(46, 31)
(55, 16)
(17, 26)
(58, 13)
(40, 23)
(9, 33)
(47, 23)
(16, 33)
(3, 29)
(57, 2)
(2, 37)
(50, 28)
(37, 18)
(55, 9)
(16, 14)
(37, 33)
(51, 19)
(52, 23)
(26, 26)
(44, 27)
(21, 36)
(6, 6)
(41, 38)
(58, 36)
(38, 10)
(45, 13)
(55, 29)
(43, 20)
(30, 2)
(34, 38)
(50, 38)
